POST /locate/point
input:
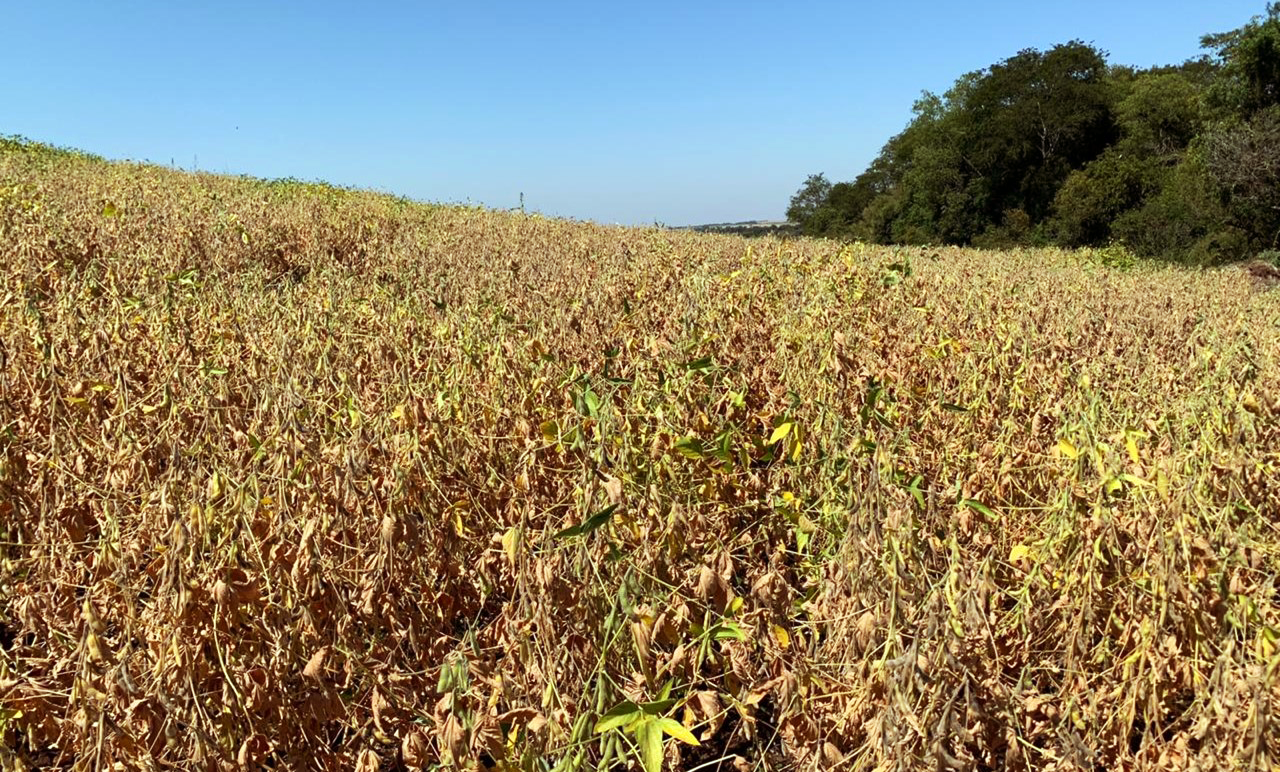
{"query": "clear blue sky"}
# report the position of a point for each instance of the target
(631, 112)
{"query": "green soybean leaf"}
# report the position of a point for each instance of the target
(691, 447)
(649, 737)
(619, 715)
(590, 524)
(728, 631)
(657, 707)
(979, 507)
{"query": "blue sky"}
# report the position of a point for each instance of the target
(673, 112)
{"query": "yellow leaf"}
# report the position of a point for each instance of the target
(1067, 449)
(677, 730)
(459, 526)
(781, 635)
(1019, 552)
(1131, 442)
(550, 431)
(510, 542)
(781, 432)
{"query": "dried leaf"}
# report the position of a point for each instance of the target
(368, 761)
(315, 666)
(613, 489)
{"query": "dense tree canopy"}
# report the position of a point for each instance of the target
(1059, 147)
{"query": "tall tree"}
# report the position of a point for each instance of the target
(811, 197)
(1251, 63)
(1036, 117)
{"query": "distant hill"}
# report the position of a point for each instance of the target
(746, 228)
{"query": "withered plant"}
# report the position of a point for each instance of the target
(296, 477)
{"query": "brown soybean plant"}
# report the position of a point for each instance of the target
(296, 476)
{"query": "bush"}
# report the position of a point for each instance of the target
(1014, 231)
(1170, 225)
(1089, 202)
(1222, 246)
(1114, 255)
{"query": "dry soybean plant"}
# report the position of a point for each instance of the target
(297, 477)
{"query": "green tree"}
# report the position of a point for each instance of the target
(1036, 117)
(988, 156)
(1160, 115)
(1179, 161)
(847, 201)
(1250, 58)
(1091, 198)
(811, 197)
(1157, 114)
(1183, 222)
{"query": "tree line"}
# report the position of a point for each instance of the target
(1059, 147)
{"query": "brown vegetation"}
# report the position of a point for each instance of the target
(305, 478)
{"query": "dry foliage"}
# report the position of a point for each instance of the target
(297, 477)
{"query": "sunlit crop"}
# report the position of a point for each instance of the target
(299, 477)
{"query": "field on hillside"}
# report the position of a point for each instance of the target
(300, 478)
